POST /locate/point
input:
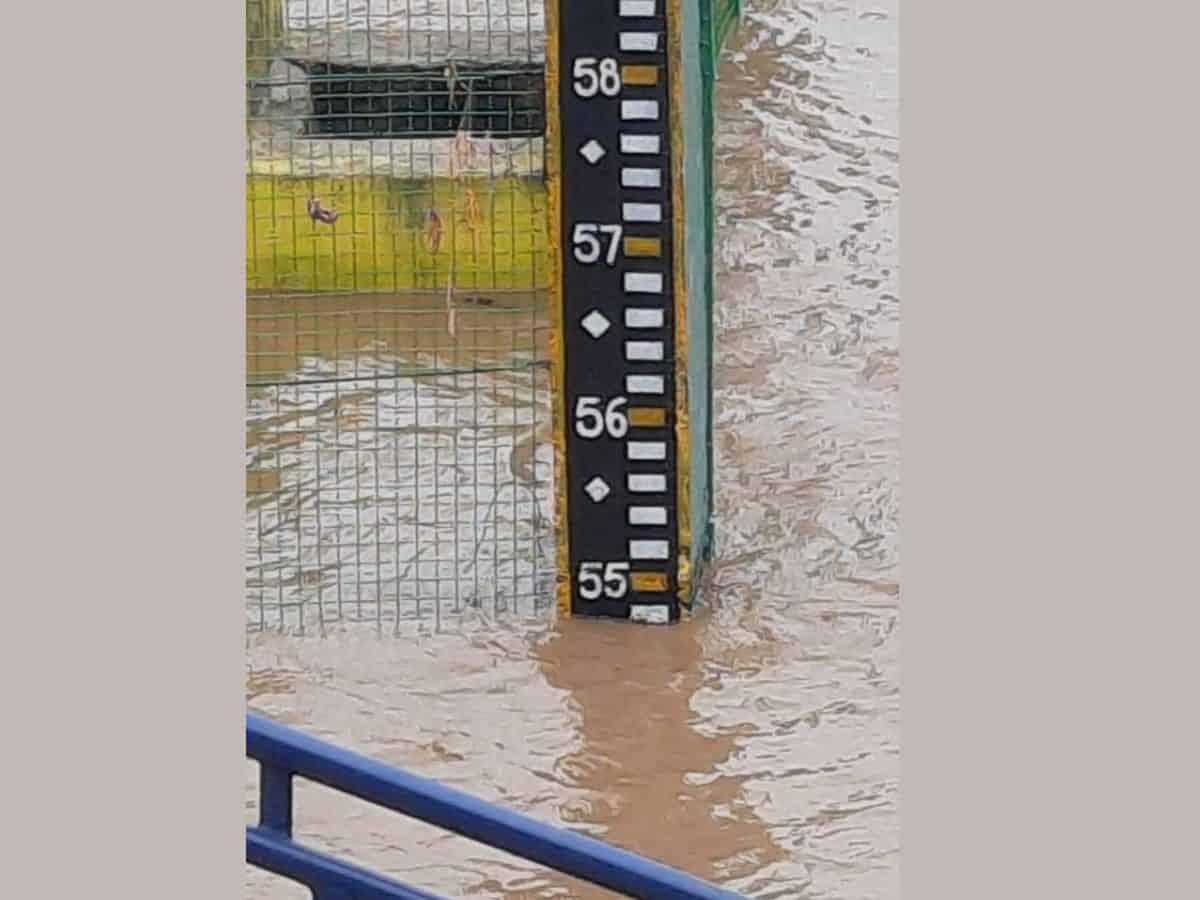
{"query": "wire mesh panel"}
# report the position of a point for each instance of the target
(398, 409)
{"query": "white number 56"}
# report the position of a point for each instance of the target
(591, 420)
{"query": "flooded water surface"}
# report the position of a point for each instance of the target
(757, 745)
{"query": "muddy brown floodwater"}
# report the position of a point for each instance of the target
(757, 745)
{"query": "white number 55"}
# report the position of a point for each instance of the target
(609, 579)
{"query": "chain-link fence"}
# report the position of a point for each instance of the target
(398, 412)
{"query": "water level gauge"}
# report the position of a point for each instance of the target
(616, 301)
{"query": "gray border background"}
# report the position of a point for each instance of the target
(1049, 328)
(123, 464)
(1049, 460)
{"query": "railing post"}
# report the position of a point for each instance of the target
(275, 799)
(284, 754)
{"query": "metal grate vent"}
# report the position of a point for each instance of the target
(405, 101)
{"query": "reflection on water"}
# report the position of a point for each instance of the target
(757, 745)
(474, 328)
(398, 499)
(398, 464)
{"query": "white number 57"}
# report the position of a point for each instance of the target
(588, 247)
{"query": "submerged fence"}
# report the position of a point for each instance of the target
(399, 441)
(284, 754)
(397, 397)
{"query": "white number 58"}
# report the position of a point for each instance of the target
(594, 76)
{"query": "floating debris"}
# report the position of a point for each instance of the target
(471, 215)
(319, 213)
(450, 305)
(433, 231)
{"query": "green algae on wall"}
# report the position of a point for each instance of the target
(393, 234)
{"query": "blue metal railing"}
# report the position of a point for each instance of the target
(284, 753)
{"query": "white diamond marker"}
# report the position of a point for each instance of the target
(592, 151)
(597, 489)
(595, 324)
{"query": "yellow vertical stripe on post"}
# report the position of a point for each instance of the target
(683, 447)
(557, 342)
